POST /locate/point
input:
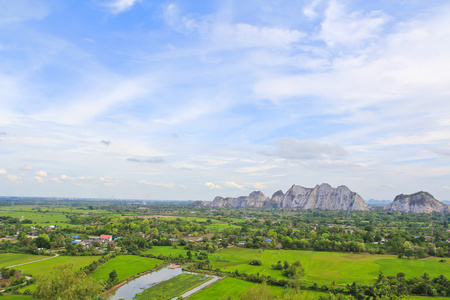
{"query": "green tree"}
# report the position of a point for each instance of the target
(112, 276)
(409, 253)
(64, 284)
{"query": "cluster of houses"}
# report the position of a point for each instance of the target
(104, 238)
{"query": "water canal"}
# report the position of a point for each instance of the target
(130, 289)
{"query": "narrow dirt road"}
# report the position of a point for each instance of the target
(30, 262)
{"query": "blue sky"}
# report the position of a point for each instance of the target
(193, 99)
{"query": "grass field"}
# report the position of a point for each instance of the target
(230, 287)
(218, 227)
(326, 267)
(47, 266)
(48, 215)
(18, 297)
(44, 218)
(54, 208)
(173, 287)
(10, 259)
(166, 250)
(427, 298)
(125, 266)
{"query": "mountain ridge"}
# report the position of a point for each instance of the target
(322, 196)
(419, 202)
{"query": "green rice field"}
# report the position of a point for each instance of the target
(326, 267)
(18, 297)
(173, 287)
(46, 266)
(166, 250)
(10, 259)
(125, 266)
(230, 287)
(320, 267)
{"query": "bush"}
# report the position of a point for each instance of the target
(256, 262)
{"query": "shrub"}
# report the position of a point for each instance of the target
(256, 262)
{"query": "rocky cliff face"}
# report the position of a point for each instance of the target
(323, 197)
(255, 199)
(320, 197)
(420, 202)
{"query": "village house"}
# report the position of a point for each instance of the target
(106, 237)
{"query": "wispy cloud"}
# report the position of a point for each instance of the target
(259, 96)
(118, 6)
(291, 148)
(234, 185)
(153, 160)
(162, 185)
(26, 168)
(349, 29)
(212, 185)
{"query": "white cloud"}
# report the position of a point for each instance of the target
(107, 96)
(118, 6)
(56, 179)
(74, 179)
(291, 148)
(3, 172)
(39, 179)
(224, 35)
(22, 10)
(259, 185)
(350, 29)
(13, 178)
(107, 181)
(183, 23)
(26, 168)
(251, 36)
(212, 186)
(234, 185)
(41, 173)
(163, 185)
(258, 168)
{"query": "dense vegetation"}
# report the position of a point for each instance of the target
(193, 236)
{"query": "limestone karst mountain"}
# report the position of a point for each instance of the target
(323, 197)
(320, 197)
(420, 202)
(255, 199)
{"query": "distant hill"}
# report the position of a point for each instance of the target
(320, 197)
(378, 203)
(446, 202)
(420, 202)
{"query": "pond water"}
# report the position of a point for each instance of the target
(130, 289)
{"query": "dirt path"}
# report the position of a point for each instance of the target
(56, 255)
(198, 288)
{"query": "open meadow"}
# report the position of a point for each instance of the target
(18, 297)
(173, 287)
(47, 266)
(125, 266)
(10, 259)
(166, 251)
(326, 267)
(49, 215)
(230, 287)
(320, 267)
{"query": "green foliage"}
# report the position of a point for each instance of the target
(256, 262)
(125, 267)
(172, 287)
(294, 271)
(112, 276)
(63, 283)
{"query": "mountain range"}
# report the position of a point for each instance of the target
(320, 197)
(325, 197)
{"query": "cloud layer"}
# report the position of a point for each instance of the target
(180, 100)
